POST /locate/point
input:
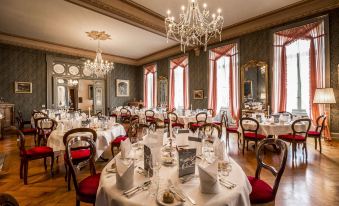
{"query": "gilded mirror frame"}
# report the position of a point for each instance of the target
(257, 64)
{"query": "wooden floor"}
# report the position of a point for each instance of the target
(315, 182)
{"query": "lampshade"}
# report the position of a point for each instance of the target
(324, 96)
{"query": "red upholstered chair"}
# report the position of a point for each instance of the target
(262, 193)
(45, 126)
(210, 130)
(201, 118)
(250, 129)
(28, 122)
(150, 117)
(125, 114)
(79, 154)
(25, 130)
(174, 119)
(132, 133)
(210, 111)
(35, 116)
(8, 200)
(231, 129)
(316, 134)
(26, 155)
(300, 130)
(86, 189)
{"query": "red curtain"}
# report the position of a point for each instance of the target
(231, 51)
(150, 70)
(174, 64)
(315, 33)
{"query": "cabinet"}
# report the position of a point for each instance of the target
(7, 111)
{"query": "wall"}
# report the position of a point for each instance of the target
(83, 93)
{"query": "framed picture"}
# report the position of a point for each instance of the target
(23, 87)
(198, 94)
(122, 88)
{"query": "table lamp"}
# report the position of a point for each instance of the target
(324, 96)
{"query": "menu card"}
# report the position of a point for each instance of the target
(148, 167)
(187, 161)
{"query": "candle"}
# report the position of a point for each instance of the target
(89, 111)
(268, 110)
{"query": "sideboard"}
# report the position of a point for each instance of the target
(7, 111)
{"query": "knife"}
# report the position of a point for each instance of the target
(138, 187)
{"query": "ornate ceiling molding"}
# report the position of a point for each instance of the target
(57, 48)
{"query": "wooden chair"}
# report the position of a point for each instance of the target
(25, 122)
(25, 130)
(210, 129)
(125, 114)
(150, 117)
(26, 155)
(45, 126)
(79, 154)
(174, 119)
(262, 193)
(286, 113)
(210, 111)
(299, 135)
(86, 189)
(132, 133)
(231, 129)
(250, 133)
(201, 118)
(316, 134)
(8, 200)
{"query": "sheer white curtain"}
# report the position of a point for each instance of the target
(150, 90)
(179, 87)
(223, 82)
(298, 49)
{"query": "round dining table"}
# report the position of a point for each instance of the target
(108, 193)
(104, 138)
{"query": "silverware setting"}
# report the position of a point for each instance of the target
(227, 184)
(144, 186)
(178, 191)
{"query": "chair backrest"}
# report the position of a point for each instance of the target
(20, 122)
(287, 113)
(249, 124)
(134, 119)
(298, 127)
(68, 134)
(125, 111)
(149, 113)
(172, 116)
(8, 200)
(277, 172)
(320, 123)
(75, 140)
(201, 117)
(99, 114)
(132, 131)
(44, 124)
(210, 111)
(209, 129)
(36, 115)
(20, 141)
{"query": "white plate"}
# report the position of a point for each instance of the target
(160, 202)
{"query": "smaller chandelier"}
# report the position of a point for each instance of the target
(195, 27)
(99, 67)
(72, 82)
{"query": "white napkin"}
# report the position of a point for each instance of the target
(209, 178)
(125, 148)
(124, 175)
(182, 139)
(219, 148)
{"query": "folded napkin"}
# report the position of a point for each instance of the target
(219, 148)
(209, 178)
(182, 139)
(124, 175)
(125, 148)
(196, 142)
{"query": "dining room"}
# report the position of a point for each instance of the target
(181, 102)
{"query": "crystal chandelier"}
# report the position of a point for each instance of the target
(195, 27)
(72, 82)
(99, 67)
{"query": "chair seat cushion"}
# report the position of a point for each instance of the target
(290, 137)
(166, 121)
(196, 124)
(232, 129)
(118, 140)
(28, 130)
(113, 115)
(124, 115)
(217, 123)
(80, 154)
(251, 135)
(150, 119)
(89, 185)
(313, 133)
(261, 191)
(39, 151)
(175, 124)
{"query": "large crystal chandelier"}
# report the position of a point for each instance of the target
(99, 67)
(195, 27)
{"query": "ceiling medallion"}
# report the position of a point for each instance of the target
(99, 67)
(195, 27)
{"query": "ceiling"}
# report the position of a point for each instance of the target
(64, 23)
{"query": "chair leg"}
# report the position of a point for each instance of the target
(45, 164)
(69, 181)
(66, 171)
(243, 146)
(52, 163)
(305, 148)
(239, 140)
(21, 168)
(247, 145)
(25, 171)
(315, 143)
(320, 143)
(77, 203)
(112, 150)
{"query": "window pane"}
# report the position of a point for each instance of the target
(222, 82)
(179, 87)
(150, 90)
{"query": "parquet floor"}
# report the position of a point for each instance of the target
(315, 182)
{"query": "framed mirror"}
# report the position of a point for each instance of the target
(254, 87)
(162, 90)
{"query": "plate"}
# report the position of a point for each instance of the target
(160, 202)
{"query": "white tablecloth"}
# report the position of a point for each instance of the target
(187, 119)
(104, 138)
(109, 195)
(274, 129)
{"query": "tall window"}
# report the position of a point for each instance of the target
(223, 79)
(150, 90)
(179, 96)
(298, 76)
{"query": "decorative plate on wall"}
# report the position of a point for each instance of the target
(73, 70)
(59, 69)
